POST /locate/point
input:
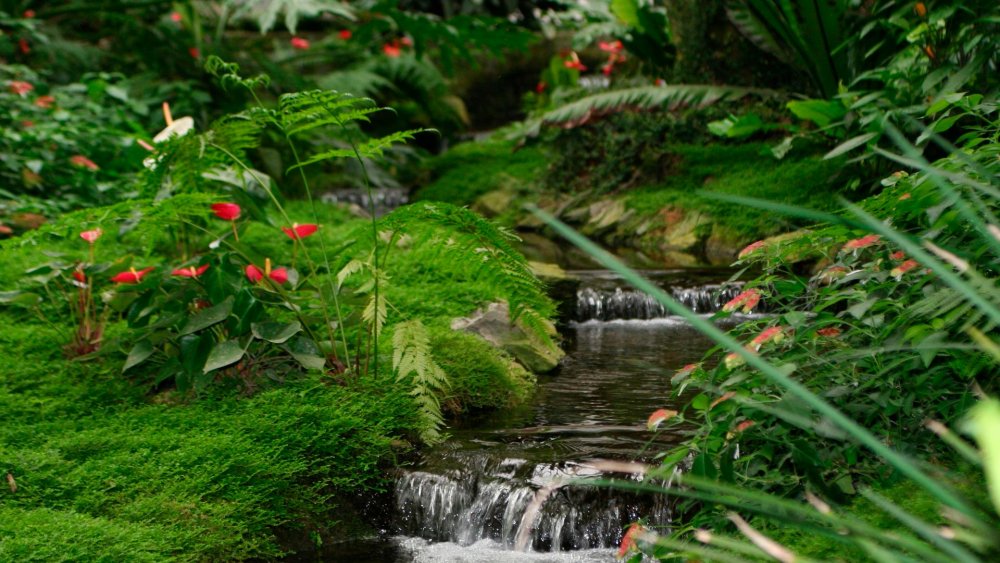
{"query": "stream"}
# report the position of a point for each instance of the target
(466, 499)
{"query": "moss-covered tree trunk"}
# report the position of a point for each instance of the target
(689, 27)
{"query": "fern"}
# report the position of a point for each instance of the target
(484, 248)
(266, 12)
(413, 363)
(648, 97)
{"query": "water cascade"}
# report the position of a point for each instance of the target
(515, 474)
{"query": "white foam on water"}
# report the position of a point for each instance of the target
(488, 551)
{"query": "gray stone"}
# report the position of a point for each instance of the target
(493, 324)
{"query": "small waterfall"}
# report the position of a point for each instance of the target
(618, 303)
(467, 506)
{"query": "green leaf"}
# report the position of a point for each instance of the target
(275, 332)
(208, 317)
(850, 145)
(140, 353)
(700, 402)
(224, 354)
(19, 298)
(305, 351)
(984, 425)
(820, 112)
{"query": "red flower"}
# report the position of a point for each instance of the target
(898, 271)
(81, 161)
(255, 275)
(45, 102)
(774, 333)
(391, 49)
(829, 332)
(24, 46)
(687, 370)
(19, 87)
(611, 47)
(898, 255)
(863, 242)
(905, 196)
(27, 124)
(28, 14)
(131, 276)
(747, 300)
(92, 235)
(299, 232)
(607, 69)
(540, 87)
(744, 425)
(658, 417)
(345, 34)
(194, 52)
(79, 276)
(405, 41)
(300, 43)
(750, 249)
(176, 17)
(628, 541)
(226, 211)
(189, 272)
(575, 65)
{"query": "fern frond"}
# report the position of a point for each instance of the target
(648, 97)
(376, 310)
(484, 249)
(413, 363)
(371, 148)
(313, 109)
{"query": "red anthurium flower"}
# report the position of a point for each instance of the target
(898, 255)
(91, 236)
(176, 17)
(611, 46)
(629, 540)
(24, 46)
(406, 41)
(829, 332)
(297, 231)
(131, 276)
(19, 87)
(190, 271)
(658, 417)
(28, 14)
(299, 43)
(750, 249)
(255, 275)
(45, 102)
(81, 161)
(345, 34)
(79, 276)
(898, 271)
(863, 242)
(747, 300)
(392, 49)
(194, 52)
(540, 87)
(226, 211)
(607, 69)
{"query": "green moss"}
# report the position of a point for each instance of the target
(472, 169)
(744, 170)
(479, 377)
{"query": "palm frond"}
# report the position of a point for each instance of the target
(647, 98)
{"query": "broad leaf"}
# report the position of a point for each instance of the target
(224, 354)
(276, 332)
(140, 353)
(208, 317)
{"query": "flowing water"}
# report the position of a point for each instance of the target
(467, 499)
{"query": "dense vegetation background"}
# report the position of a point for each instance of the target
(204, 360)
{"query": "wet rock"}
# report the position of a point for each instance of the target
(493, 324)
(495, 203)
